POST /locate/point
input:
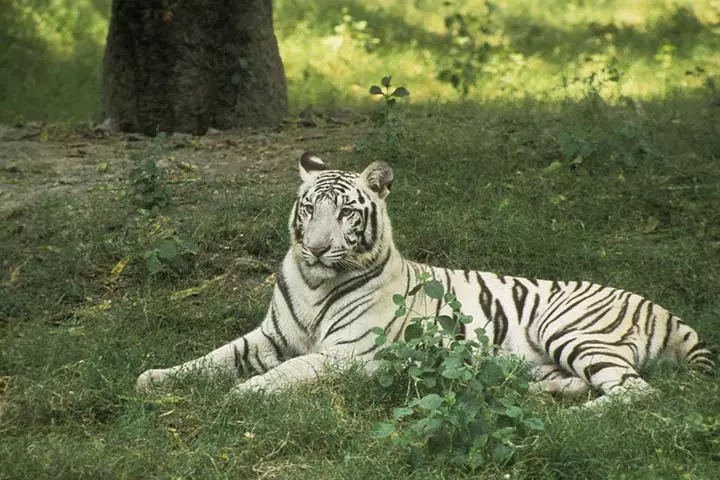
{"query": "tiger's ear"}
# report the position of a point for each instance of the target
(379, 176)
(310, 166)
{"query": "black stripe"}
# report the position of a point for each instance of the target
(278, 352)
(533, 312)
(263, 368)
(282, 286)
(344, 342)
(500, 324)
(570, 301)
(549, 320)
(276, 325)
(618, 320)
(594, 368)
(485, 298)
(350, 286)
(520, 293)
(569, 327)
(627, 376)
(335, 327)
(239, 364)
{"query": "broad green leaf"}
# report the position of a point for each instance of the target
(153, 263)
(167, 250)
(390, 101)
(434, 289)
(401, 412)
(414, 330)
(480, 441)
(514, 412)
(415, 289)
(401, 311)
(501, 453)
(378, 331)
(382, 430)
(386, 379)
(386, 81)
(188, 245)
(465, 319)
(400, 92)
(430, 401)
(398, 299)
(375, 90)
(533, 423)
(491, 373)
(448, 323)
(380, 339)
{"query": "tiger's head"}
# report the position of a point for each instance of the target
(339, 222)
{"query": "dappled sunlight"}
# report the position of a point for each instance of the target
(511, 50)
(547, 51)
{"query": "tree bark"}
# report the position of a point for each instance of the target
(187, 65)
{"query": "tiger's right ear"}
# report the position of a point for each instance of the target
(310, 166)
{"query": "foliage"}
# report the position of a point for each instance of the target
(146, 179)
(164, 249)
(470, 36)
(356, 31)
(462, 404)
(390, 95)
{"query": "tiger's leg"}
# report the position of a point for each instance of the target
(554, 380)
(255, 352)
(612, 373)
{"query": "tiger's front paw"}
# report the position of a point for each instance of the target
(148, 379)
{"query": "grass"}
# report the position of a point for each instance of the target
(617, 183)
(75, 335)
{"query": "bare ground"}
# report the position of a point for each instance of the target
(38, 158)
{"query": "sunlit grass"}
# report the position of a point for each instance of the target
(543, 50)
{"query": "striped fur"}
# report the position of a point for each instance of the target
(337, 281)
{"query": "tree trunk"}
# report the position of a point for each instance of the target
(187, 65)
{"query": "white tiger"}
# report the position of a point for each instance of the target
(337, 281)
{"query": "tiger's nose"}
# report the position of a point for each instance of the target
(318, 251)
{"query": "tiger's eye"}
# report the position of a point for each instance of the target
(346, 212)
(308, 209)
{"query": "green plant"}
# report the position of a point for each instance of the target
(469, 37)
(385, 119)
(599, 74)
(169, 251)
(146, 179)
(462, 403)
(356, 31)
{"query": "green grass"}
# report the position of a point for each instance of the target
(639, 212)
(618, 184)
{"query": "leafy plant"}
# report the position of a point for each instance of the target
(165, 250)
(462, 401)
(469, 46)
(147, 180)
(390, 98)
(357, 31)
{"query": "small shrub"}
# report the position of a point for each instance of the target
(462, 403)
(147, 180)
(390, 94)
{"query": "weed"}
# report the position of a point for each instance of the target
(462, 405)
(386, 120)
(146, 179)
(469, 37)
(357, 31)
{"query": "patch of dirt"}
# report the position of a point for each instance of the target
(38, 158)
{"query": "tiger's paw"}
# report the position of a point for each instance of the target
(148, 379)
